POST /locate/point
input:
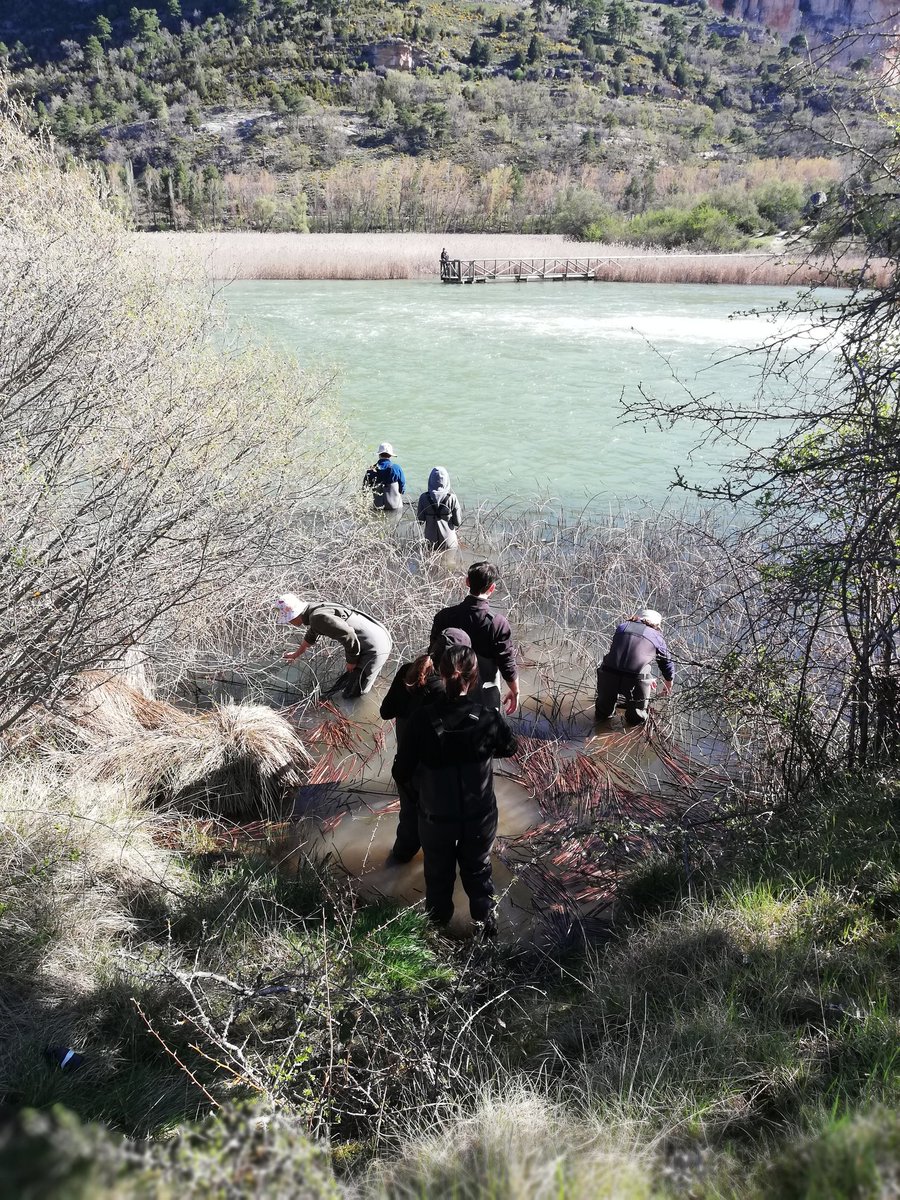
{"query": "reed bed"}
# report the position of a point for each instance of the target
(382, 256)
(567, 579)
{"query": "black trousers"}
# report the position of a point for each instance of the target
(466, 844)
(407, 843)
(634, 688)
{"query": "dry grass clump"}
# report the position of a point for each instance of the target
(518, 1145)
(75, 859)
(234, 760)
(383, 256)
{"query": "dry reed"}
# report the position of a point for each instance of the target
(383, 256)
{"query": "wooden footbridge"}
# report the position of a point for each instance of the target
(520, 270)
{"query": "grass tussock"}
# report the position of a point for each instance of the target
(53, 1156)
(78, 867)
(235, 760)
(381, 256)
(518, 1145)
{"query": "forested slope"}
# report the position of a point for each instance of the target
(447, 114)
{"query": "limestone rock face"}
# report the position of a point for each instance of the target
(823, 21)
(393, 54)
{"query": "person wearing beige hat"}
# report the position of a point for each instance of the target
(366, 642)
(387, 482)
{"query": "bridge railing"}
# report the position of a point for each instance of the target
(457, 270)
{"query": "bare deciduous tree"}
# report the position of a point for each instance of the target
(142, 465)
(815, 487)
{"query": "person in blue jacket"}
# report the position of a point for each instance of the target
(626, 668)
(387, 481)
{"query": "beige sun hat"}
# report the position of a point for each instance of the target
(650, 617)
(289, 608)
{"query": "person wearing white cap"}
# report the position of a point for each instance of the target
(367, 643)
(626, 668)
(387, 481)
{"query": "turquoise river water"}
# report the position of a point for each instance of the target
(516, 389)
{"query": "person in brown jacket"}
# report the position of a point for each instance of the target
(367, 643)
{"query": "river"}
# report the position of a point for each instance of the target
(517, 389)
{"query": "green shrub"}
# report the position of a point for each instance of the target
(703, 227)
(781, 204)
(740, 208)
(580, 213)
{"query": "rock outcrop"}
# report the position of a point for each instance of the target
(393, 54)
(868, 28)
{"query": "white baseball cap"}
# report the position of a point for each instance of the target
(386, 448)
(650, 617)
(289, 608)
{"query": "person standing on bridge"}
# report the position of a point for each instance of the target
(489, 632)
(626, 668)
(387, 482)
(440, 511)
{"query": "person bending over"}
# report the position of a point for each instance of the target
(366, 642)
(449, 746)
(489, 632)
(626, 669)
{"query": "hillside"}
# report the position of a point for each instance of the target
(446, 114)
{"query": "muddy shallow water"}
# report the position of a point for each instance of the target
(357, 827)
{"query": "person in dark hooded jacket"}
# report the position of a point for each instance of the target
(449, 747)
(440, 511)
(626, 669)
(416, 684)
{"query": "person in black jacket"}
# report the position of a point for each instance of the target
(416, 683)
(490, 633)
(449, 746)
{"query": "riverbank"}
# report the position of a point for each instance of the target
(229, 256)
(254, 1025)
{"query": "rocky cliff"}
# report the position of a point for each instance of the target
(867, 28)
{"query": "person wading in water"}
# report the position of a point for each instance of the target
(415, 685)
(387, 482)
(490, 634)
(366, 642)
(626, 668)
(449, 746)
(440, 511)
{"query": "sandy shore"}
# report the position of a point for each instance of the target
(227, 256)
